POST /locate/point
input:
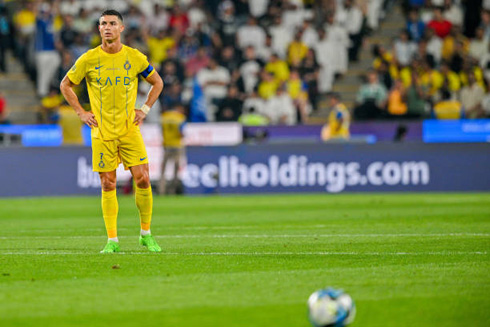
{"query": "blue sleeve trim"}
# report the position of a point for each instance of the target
(147, 71)
(181, 128)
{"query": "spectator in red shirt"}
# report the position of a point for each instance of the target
(3, 110)
(197, 62)
(439, 24)
(179, 19)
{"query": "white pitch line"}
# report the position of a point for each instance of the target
(441, 253)
(261, 236)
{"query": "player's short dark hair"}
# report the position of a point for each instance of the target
(112, 12)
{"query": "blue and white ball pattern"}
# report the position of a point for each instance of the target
(331, 307)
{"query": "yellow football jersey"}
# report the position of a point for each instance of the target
(112, 82)
(172, 122)
(448, 110)
(339, 121)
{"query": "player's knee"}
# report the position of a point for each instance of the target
(108, 184)
(143, 180)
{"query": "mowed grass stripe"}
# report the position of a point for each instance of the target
(447, 253)
(261, 236)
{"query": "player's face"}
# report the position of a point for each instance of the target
(110, 28)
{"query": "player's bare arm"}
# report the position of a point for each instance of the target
(156, 88)
(86, 117)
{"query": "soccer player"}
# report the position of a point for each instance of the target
(338, 120)
(173, 122)
(111, 72)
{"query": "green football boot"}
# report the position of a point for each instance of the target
(150, 243)
(111, 247)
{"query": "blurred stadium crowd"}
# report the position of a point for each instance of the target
(438, 66)
(268, 61)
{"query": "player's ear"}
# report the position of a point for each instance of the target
(121, 28)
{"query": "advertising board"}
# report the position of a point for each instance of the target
(324, 168)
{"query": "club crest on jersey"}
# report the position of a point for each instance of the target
(127, 66)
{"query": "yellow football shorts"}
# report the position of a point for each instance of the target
(129, 149)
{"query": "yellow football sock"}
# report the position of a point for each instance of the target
(144, 202)
(110, 208)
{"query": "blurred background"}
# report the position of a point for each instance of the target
(270, 96)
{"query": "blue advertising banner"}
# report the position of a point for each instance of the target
(446, 131)
(47, 171)
(338, 168)
(326, 168)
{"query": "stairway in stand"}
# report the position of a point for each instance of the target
(350, 83)
(20, 93)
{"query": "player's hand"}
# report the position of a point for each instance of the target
(88, 118)
(139, 117)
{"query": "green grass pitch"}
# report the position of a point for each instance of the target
(406, 259)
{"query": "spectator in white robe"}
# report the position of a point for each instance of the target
(70, 7)
(256, 102)
(281, 37)
(339, 38)
(250, 70)
(404, 49)
(251, 34)
(158, 19)
(325, 53)
(479, 45)
(310, 35)
(280, 108)
(197, 15)
(434, 44)
(214, 81)
(485, 64)
(265, 51)
(374, 13)
(293, 15)
(351, 17)
(258, 8)
(453, 12)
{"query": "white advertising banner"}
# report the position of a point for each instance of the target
(213, 134)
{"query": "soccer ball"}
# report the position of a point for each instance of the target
(331, 307)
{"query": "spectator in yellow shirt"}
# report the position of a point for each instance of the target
(297, 50)
(381, 54)
(448, 108)
(50, 106)
(449, 43)
(450, 77)
(296, 89)
(158, 46)
(267, 86)
(406, 73)
(470, 69)
(431, 78)
(25, 20)
(279, 68)
(397, 104)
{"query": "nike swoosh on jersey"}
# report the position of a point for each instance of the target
(98, 67)
(141, 159)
